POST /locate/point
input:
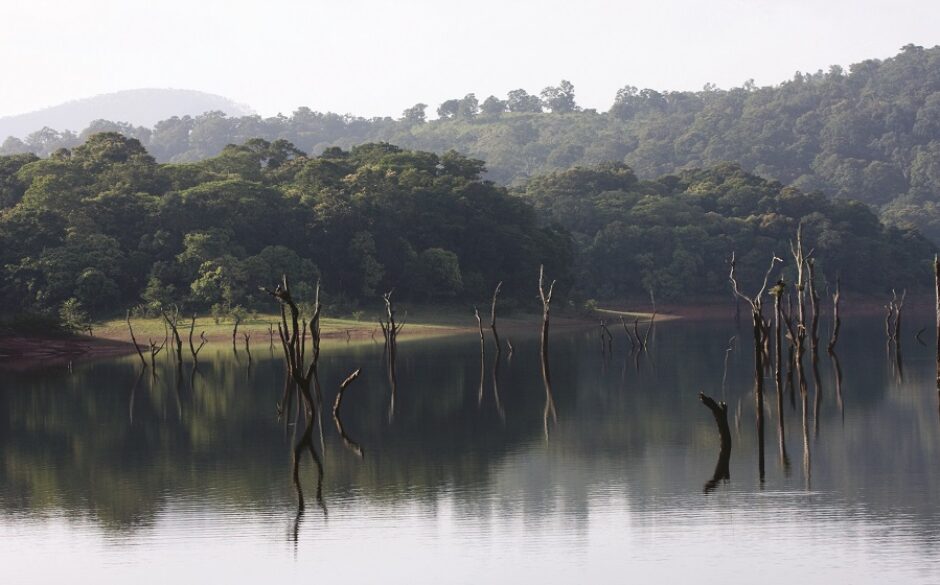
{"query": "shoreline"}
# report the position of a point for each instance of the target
(21, 352)
(111, 339)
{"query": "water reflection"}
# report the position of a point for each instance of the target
(626, 461)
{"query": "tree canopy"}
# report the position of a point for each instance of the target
(106, 225)
(871, 133)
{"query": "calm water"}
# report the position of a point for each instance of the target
(105, 478)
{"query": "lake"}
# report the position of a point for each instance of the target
(117, 477)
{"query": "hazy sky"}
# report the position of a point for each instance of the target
(375, 57)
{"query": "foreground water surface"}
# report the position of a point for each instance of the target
(110, 476)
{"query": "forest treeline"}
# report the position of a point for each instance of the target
(871, 133)
(106, 226)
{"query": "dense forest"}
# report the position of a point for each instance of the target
(871, 133)
(106, 226)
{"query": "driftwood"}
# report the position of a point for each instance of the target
(134, 339)
(722, 468)
(303, 376)
(352, 445)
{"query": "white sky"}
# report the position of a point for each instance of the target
(377, 57)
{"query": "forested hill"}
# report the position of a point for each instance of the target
(139, 107)
(106, 226)
(871, 133)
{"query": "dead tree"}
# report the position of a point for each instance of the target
(759, 329)
(724, 375)
(247, 337)
(271, 335)
(814, 307)
(936, 272)
(352, 445)
(546, 298)
(649, 328)
(293, 339)
(177, 341)
(499, 349)
(391, 329)
(237, 318)
(202, 337)
(800, 259)
(836, 321)
(629, 334)
(476, 314)
(777, 293)
(607, 339)
(134, 339)
(898, 304)
(154, 351)
(720, 412)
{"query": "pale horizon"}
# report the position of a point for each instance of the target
(371, 59)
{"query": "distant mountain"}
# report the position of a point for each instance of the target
(138, 107)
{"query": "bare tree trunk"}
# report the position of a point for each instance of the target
(235, 333)
(154, 351)
(722, 469)
(936, 270)
(814, 306)
(546, 298)
(476, 314)
(247, 337)
(499, 349)
(836, 321)
(391, 330)
(778, 376)
(141, 354)
(302, 376)
(757, 320)
(173, 324)
(352, 445)
(629, 334)
(607, 339)
(202, 340)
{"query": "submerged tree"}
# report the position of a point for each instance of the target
(293, 338)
